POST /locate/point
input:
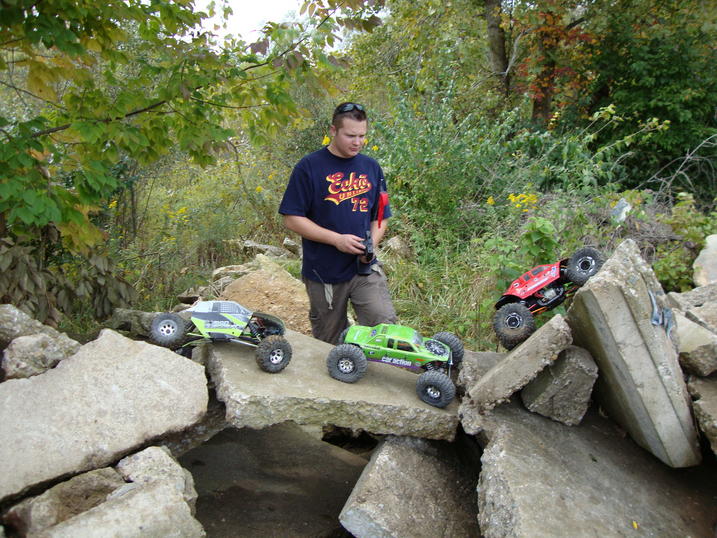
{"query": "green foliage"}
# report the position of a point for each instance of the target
(674, 259)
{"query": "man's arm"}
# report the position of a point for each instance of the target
(378, 233)
(307, 228)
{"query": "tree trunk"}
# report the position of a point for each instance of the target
(496, 43)
(544, 85)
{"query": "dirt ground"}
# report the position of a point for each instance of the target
(280, 481)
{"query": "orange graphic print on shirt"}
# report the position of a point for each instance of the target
(341, 188)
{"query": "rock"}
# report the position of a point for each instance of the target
(475, 365)
(292, 246)
(541, 478)
(697, 347)
(154, 509)
(562, 390)
(208, 292)
(640, 383)
(399, 248)
(521, 365)
(274, 291)
(156, 464)
(413, 487)
(277, 481)
(68, 506)
(34, 354)
(110, 397)
(63, 501)
(14, 322)
(135, 322)
(705, 265)
(704, 392)
(696, 297)
(252, 248)
(705, 315)
(383, 402)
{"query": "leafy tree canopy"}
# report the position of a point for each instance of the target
(84, 83)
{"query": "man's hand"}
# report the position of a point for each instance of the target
(350, 244)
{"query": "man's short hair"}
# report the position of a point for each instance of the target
(348, 110)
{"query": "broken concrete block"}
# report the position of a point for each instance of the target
(34, 354)
(384, 401)
(695, 297)
(521, 365)
(640, 385)
(135, 322)
(705, 265)
(157, 464)
(413, 487)
(113, 395)
(14, 322)
(154, 509)
(475, 365)
(541, 478)
(562, 390)
(63, 501)
(705, 315)
(697, 347)
(704, 393)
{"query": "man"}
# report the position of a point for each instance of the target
(334, 197)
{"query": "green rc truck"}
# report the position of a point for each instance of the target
(399, 346)
(224, 321)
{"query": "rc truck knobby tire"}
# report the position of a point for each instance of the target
(168, 330)
(273, 354)
(435, 388)
(453, 342)
(583, 264)
(347, 363)
(513, 323)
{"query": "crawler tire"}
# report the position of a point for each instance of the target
(453, 342)
(347, 363)
(168, 330)
(583, 264)
(273, 354)
(435, 388)
(513, 324)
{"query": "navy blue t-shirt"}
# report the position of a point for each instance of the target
(339, 194)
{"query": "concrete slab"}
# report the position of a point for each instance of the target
(542, 478)
(413, 487)
(521, 365)
(640, 382)
(382, 402)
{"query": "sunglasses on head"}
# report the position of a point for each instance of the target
(348, 107)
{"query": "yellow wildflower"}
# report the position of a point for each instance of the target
(491, 201)
(259, 188)
(112, 204)
(374, 147)
(326, 140)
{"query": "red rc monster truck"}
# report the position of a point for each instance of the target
(542, 288)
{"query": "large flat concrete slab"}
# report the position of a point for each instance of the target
(112, 396)
(640, 383)
(542, 478)
(384, 401)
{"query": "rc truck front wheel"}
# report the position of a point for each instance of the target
(168, 330)
(513, 323)
(583, 264)
(435, 388)
(453, 342)
(273, 354)
(346, 363)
